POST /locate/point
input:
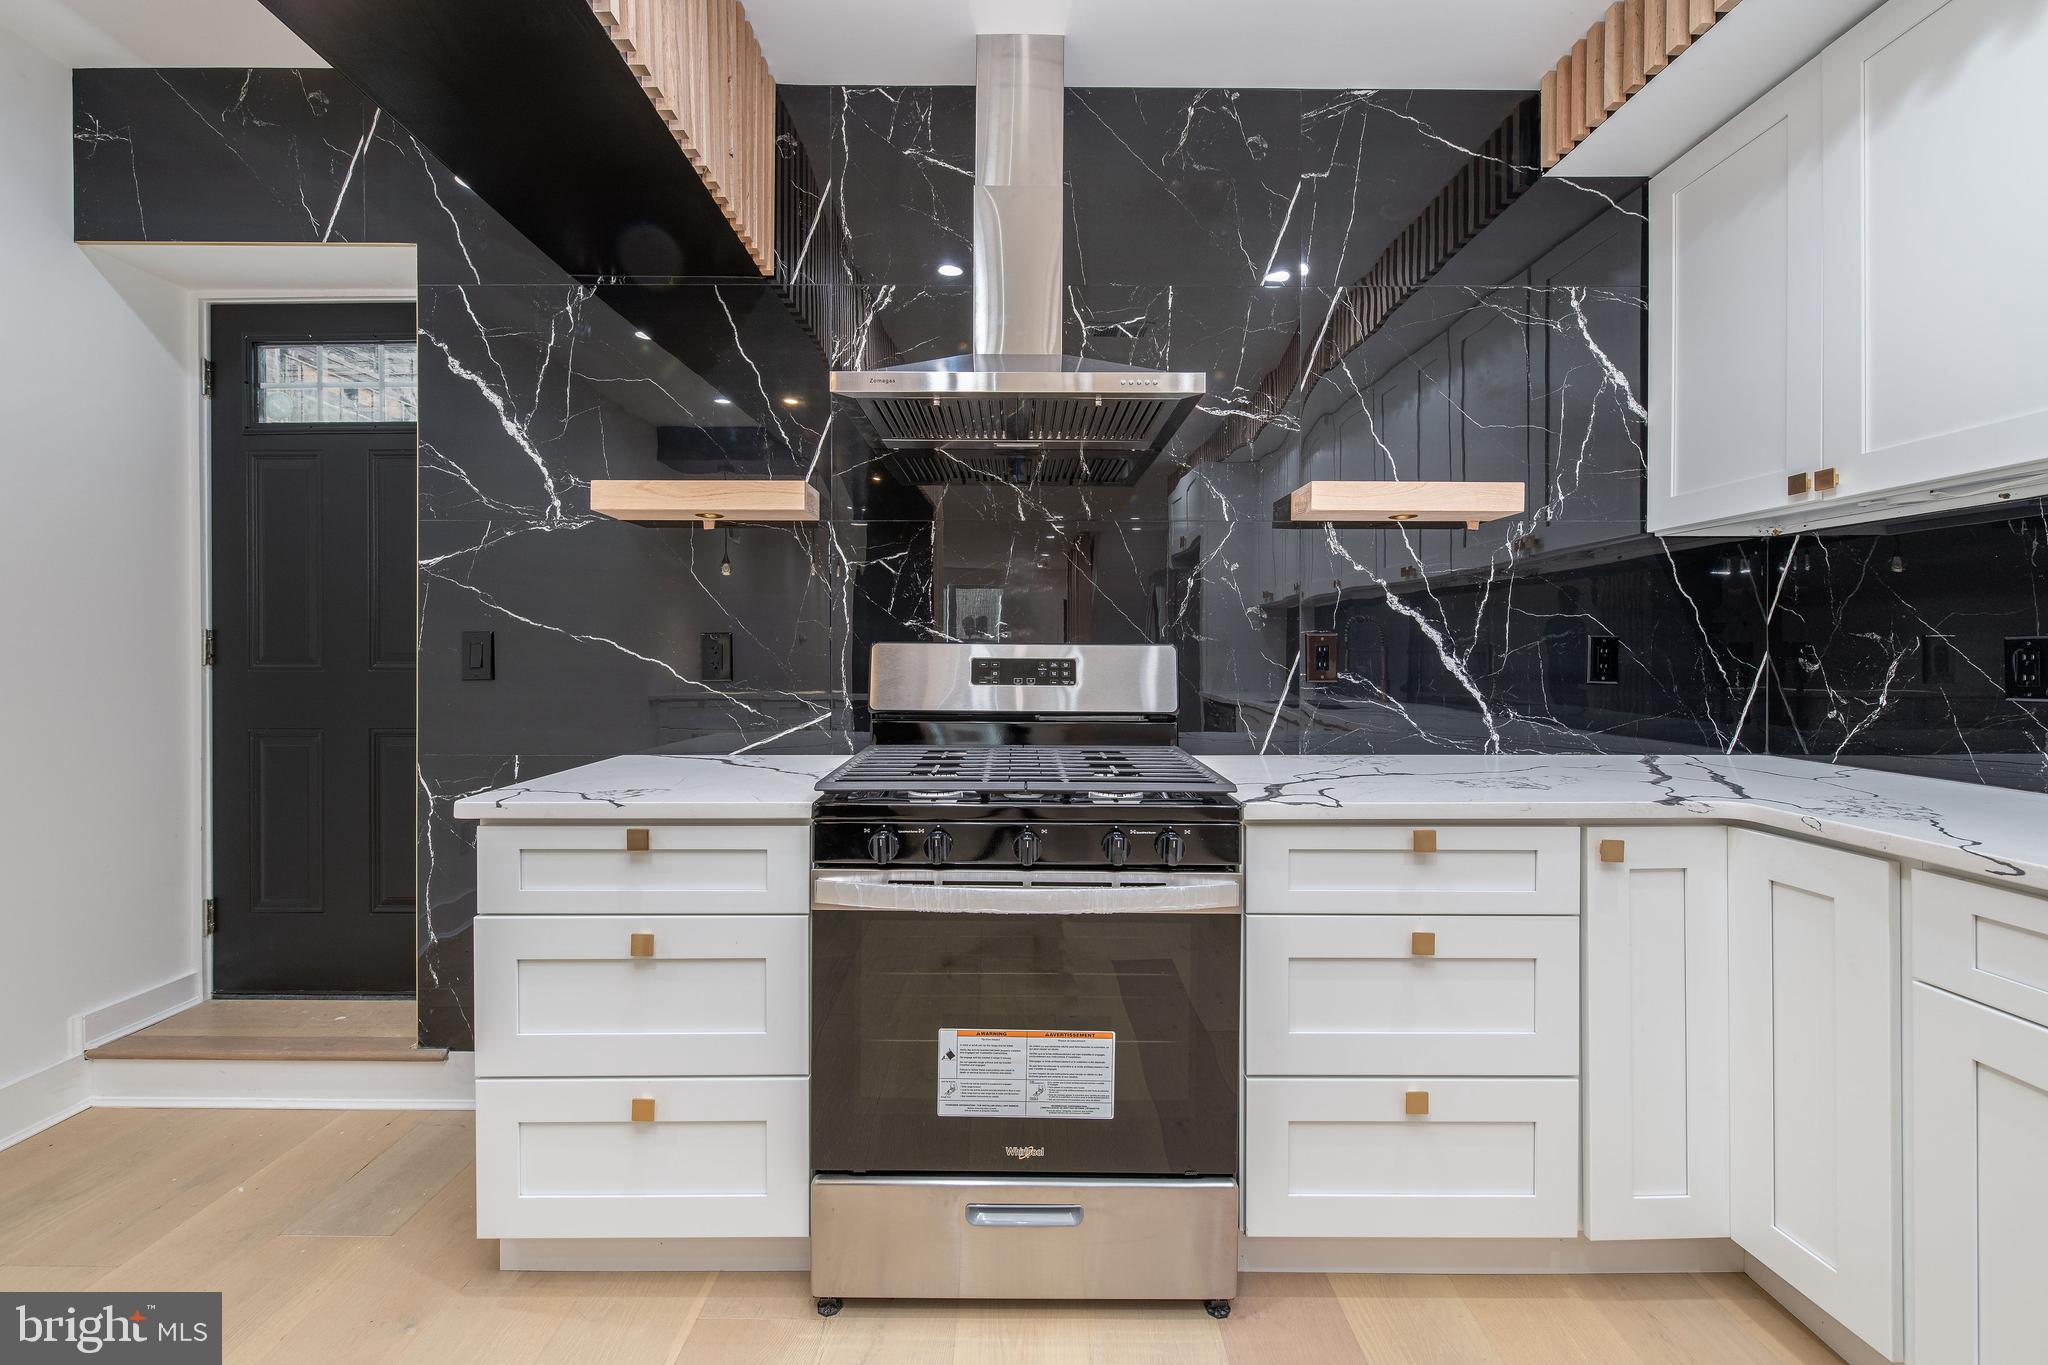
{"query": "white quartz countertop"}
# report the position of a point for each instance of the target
(1989, 831)
(663, 787)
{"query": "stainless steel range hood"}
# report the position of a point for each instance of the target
(1016, 393)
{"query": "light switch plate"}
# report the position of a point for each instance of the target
(479, 655)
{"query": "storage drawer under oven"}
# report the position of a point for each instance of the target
(932, 1238)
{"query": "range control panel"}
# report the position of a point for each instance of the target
(1023, 672)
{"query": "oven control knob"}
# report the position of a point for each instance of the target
(938, 846)
(883, 846)
(1116, 846)
(1027, 847)
(1171, 847)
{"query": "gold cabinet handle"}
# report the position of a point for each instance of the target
(643, 1110)
(1422, 943)
(1612, 850)
(1424, 841)
(643, 945)
(1796, 484)
(1418, 1103)
(636, 840)
(1825, 480)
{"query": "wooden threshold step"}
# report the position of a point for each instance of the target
(278, 1031)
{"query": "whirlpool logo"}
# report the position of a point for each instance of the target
(1023, 1153)
(156, 1327)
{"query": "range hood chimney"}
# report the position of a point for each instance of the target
(1015, 392)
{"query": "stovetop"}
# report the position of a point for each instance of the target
(1023, 772)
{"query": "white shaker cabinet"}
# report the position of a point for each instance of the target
(1978, 1183)
(1933, 201)
(1846, 318)
(1656, 1066)
(1735, 314)
(1813, 950)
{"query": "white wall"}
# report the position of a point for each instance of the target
(99, 606)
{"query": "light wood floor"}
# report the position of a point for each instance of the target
(280, 1031)
(348, 1237)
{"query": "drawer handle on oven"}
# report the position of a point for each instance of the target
(1024, 1215)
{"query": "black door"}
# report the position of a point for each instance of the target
(313, 607)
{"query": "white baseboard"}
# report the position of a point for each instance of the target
(449, 1084)
(1485, 1256)
(138, 1011)
(669, 1253)
(33, 1102)
(1843, 1342)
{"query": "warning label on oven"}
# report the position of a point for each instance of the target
(1026, 1073)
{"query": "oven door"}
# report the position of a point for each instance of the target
(1036, 1023)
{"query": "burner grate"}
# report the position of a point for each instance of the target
(1022, 768)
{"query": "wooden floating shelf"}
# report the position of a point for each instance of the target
(657, 502)
(1398, 502)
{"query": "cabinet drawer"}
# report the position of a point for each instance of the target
(1982, 942)
(1345, 1158)
(1350, 995)
(1378, 869)
(683, 870)
(711, 995)
(717, 1158)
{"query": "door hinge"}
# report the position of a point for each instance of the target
(206, 379)
(209, 650)
(211, 909)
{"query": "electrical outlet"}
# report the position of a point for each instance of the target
(479, 656)
(715, 649)
(1937, 659)
(1603, 659)
(2026, 668)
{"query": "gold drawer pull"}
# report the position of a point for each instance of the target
(643, 1111)
(1824, 480)
(1422, 943)
(1612, 850)
(643, 945)
(1796, 484)
(1418, 1103)
(1424, 841)
(636, 840)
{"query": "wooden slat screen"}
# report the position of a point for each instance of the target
(704, 73)
(1622, 52)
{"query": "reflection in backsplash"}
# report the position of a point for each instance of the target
(1226, 232)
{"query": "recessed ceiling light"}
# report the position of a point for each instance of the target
(949, 270)
(789, 400)
(1278, 277)
(722, 401)
(642, 335)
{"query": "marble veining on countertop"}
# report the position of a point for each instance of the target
(663, 787)
(1989, 831)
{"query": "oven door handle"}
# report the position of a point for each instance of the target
(1024, 1215)
(1164, 895)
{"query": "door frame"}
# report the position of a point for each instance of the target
(201, 571)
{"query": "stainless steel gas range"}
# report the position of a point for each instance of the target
(1026, 933)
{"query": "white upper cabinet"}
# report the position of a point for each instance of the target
(1735, 309)
(1846, 315)
(1813, 1011)
(1934, 202)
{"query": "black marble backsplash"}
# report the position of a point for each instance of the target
(1522, 358)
